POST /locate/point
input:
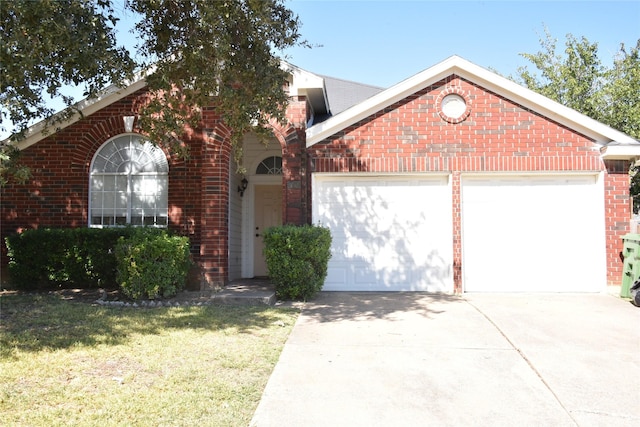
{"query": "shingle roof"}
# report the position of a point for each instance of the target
(343, 94)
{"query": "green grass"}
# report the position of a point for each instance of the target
(70, 363)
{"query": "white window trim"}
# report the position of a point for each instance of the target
(160, 163)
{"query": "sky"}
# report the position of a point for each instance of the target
(384, 42)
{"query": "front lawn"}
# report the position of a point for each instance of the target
(71, 363)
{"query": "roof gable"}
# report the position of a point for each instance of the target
(86, 107)
(301, 82)
(456, 65)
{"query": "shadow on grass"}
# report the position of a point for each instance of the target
(36, 322)
(336, 306)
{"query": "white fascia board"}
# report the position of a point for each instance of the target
(618, 151)
(600, 132)
(87, 106)
(302, 81)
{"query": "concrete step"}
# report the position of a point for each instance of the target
(246, 292)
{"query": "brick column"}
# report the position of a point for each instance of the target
(294, 165)
(617, 207)
(295, 200)
(214, 182)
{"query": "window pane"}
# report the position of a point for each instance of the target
(127, 168)
(97, 183)
(109, 183)
(96, 200)
(121, 182)
(99, 164)
(109, 200)
(270, 166)
(149, 204)
(162, 197)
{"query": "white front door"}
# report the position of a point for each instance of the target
(268, 213)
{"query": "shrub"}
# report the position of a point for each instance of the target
(65, 257)
(152, 265)
(30, 258)
(297, 259)
(58, 257)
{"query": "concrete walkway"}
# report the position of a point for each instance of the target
(413, 359)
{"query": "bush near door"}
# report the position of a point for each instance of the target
(297, 258)
(152, 265)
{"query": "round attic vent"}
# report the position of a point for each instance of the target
(454, 107)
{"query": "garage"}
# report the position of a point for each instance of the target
(536, 233)
(389, 233)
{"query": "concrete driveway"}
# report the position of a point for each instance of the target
(414, 359)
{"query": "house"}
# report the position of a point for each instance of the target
(454, 180)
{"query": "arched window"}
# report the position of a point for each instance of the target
(270, 166)
(128, 184)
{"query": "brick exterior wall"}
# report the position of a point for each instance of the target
(414, 135)
(296, 182)
(618, 211)
(58, 194)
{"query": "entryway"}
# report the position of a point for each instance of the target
(261, 204)
(267, 213)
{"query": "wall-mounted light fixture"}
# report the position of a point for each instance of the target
(243, 186)
(128, 123)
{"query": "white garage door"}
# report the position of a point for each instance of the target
(533, 234)
(389, 233)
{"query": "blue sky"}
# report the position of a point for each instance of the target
(384, 42)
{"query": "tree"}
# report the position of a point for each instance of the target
(202, 47)
(193, 53)
(574, 80)
(622, 92)
(45, 45)
(578, 80)
(49, 44)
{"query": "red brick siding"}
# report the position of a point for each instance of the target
(498, 135)
(198, 186)
(295, 180)
(617, 215)
(58, 194)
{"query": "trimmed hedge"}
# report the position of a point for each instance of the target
(297, 258)
(151, 265)
(69, 257)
